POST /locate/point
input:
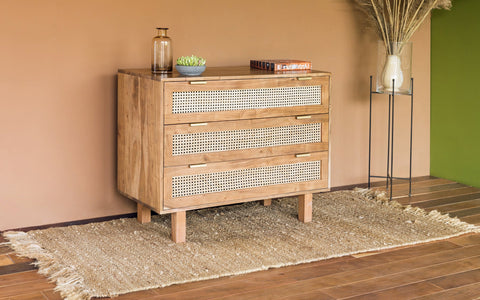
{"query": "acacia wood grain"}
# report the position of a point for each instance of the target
(267, 202)
(305, 208)
(140, 128)
(144, 214)
(179, 226)
(223, 73)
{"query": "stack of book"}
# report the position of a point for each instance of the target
(281, 64)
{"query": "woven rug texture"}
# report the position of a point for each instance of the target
(121, 256)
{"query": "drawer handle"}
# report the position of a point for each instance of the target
(302, 155)
(197, 82)
(198, 124)
(197, 166)
(304, 78)
(303, 117)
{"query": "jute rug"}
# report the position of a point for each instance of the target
(121, 256)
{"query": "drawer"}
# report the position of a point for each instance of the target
(217, 183)
(243, 139)
(218, 100)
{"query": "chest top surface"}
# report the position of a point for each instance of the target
(222, 73)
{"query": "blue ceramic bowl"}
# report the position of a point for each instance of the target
(190, 70)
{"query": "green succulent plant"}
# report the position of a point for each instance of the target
(191, 61)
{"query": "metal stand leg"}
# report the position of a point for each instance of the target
(390, 140)
(393, 130)
(411, 139)
(370, 135)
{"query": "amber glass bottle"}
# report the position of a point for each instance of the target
(162, 58)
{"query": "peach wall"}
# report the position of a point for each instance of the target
(58, 63)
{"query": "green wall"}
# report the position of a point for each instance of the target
(455, 106)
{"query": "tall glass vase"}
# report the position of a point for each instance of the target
(162, 58)
(394, 67)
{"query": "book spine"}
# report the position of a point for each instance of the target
(293, 66)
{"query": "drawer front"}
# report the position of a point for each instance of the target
(216, 183)
(243, 139)
(187, 102)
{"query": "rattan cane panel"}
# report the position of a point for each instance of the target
(228, 140)
(244, 99)
(198, 184)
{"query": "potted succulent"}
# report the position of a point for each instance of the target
(190, 65)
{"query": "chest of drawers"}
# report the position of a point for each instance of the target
(229, 136)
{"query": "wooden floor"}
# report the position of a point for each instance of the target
(448, 269)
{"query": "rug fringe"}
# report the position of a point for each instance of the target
(69, 284)
(417, 211)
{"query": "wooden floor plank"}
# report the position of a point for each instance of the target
(352, 269)
(137, 295)
(51, 295)
(466, 240)
(5, 250)
(25, 288)
(438, 195)
(402, 292)
(313, 295)
(467, 292)
(275, 275)
(465, 212)
(251, 287)
(17, 278)
(381, 183)
(474, 219)
(15, 268)
(5, 260)
(457, 280)
(290, 291)
(404, 278)
(399, 254)
(447, 208)
(418, 187)
(18, 259)
(431, 189)
(448, 200)
(30, 296)
(389, 269)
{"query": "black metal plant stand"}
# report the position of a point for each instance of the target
(391, 129)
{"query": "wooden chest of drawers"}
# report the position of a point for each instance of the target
(231, 135)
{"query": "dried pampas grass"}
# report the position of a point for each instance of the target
(397, 20)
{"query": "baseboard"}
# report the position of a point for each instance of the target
(78, 222)
(134, 215)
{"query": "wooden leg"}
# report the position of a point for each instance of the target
(179, 226)
(305, 208)
(144, 214)
(267, 202)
